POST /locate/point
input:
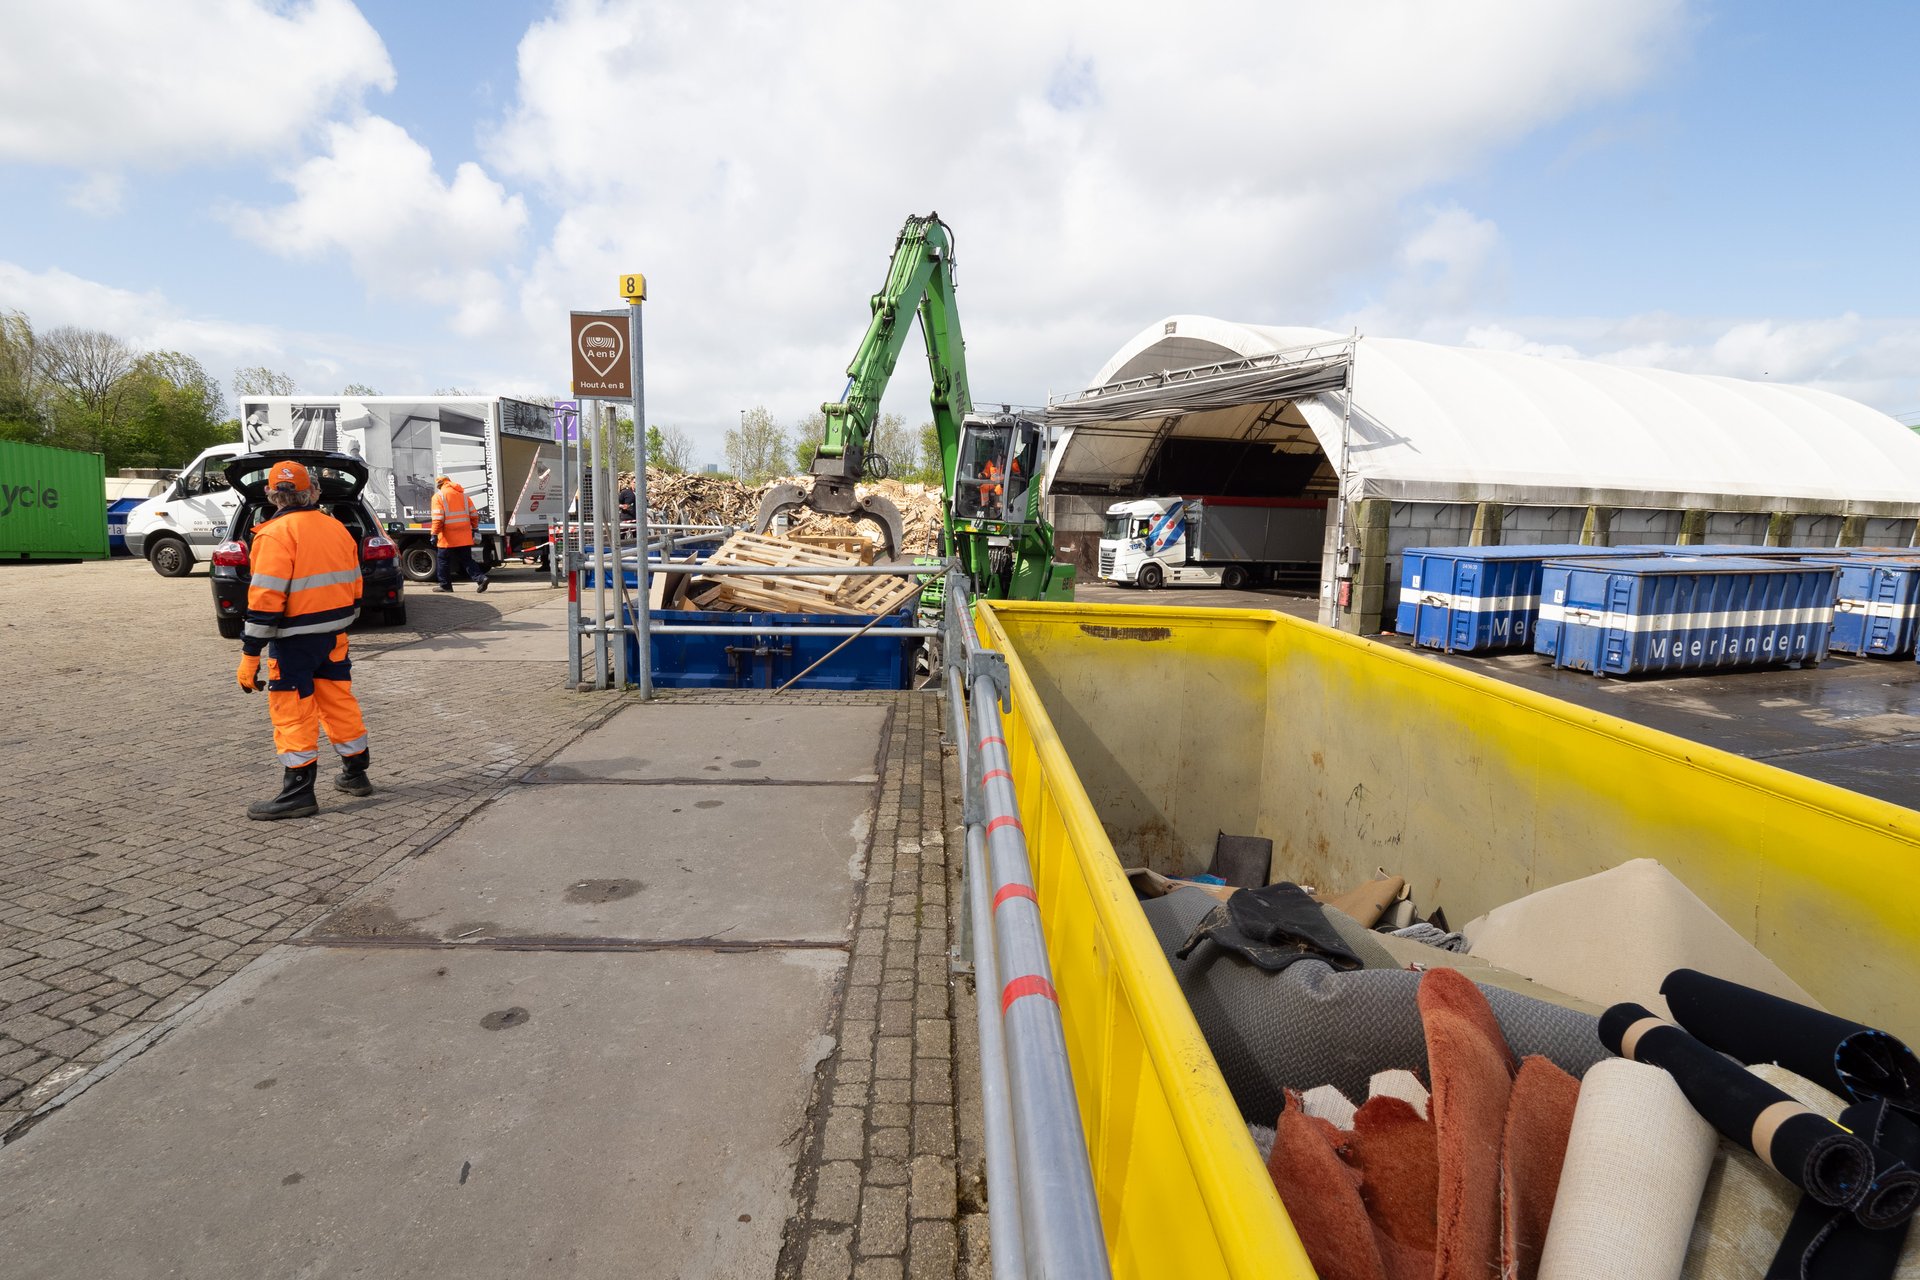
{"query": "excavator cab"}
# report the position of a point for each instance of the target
(997, 461)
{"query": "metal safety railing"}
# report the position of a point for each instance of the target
(1044, 1215)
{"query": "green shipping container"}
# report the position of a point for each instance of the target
(53, 503)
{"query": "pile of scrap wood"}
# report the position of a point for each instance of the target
(822, 592)
(684, 498)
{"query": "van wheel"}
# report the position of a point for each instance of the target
(397, 616)
(1151, 578)
(169, 557)
(1233, 577)
(419, 563)
(230, 628)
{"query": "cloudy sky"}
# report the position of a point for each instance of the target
(412, 196)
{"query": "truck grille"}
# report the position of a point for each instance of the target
(1106, 564)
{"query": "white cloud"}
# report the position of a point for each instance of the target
(320, 362)
(376, 198)
(98, 194)
(95, 84)
(1101, 164)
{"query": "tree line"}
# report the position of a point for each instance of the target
(760, 448)
(86, 389)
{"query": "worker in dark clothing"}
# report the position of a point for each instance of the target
(455, 521)
(304, 594)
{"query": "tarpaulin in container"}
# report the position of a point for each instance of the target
(1659, 613)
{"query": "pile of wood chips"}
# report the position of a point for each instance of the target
(685, 498)
(823, 592)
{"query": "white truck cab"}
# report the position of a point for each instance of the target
(1144, 544)
(189, 518)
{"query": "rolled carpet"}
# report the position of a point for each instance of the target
(1637, 1157)
(1746, 1206)
(1322, 1196)
(1472, 1070)
(1532, 1153)
(1849, 1058)
(1810, 1151)
(1824, 1243)
(1312, 1025)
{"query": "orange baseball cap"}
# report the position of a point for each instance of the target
(288, 476)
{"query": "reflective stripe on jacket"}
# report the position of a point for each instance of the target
(305, 580)
(454, 518)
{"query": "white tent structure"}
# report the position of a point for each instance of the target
(1520, 448)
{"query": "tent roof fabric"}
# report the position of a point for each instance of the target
(1454, 424)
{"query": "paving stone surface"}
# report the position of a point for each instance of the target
(131, 880)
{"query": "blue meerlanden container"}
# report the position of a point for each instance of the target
(1691, 613)
(1876, 598)
(1477, 599)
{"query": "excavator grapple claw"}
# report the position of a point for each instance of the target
(835, 500)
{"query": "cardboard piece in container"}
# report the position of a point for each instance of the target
(1368, 902)
(1148, 883)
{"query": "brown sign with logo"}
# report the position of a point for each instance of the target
(600, 361)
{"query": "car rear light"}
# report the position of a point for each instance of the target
(379, 548)
(231, 554)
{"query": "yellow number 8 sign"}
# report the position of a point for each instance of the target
(633, 287)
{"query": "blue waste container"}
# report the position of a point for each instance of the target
(117, 524)
(1680, 613)
(1477, 599)
(767, 661)
(1875, 600)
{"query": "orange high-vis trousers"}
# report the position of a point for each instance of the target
(329, 704)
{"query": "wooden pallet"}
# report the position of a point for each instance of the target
(851, 543)
(823, 592)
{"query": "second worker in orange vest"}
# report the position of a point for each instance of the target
(304, 594)
(455, 522)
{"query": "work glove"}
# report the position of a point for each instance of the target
(248, 673)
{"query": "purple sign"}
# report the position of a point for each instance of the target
(566, 420)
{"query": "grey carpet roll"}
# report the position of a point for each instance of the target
(1310, 1025)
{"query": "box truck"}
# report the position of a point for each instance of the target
(1228, 542)
(500, 449)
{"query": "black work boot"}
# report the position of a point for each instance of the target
(353, 775)
(480, 584)
(295, 799)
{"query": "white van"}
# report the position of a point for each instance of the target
(190, 518)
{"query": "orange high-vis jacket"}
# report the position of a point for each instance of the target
(306, 578)
(454, 518)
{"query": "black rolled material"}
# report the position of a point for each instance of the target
(1848, 1058)
(1810, 1151)
(1824, 1243)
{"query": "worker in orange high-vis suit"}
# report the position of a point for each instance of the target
(304, 595)
(454, 523)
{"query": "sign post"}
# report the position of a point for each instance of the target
(599, 345)
(633, 287)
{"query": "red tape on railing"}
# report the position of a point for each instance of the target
(1031, 985)
(997, 773)
(1005, 821)
(1014, 891)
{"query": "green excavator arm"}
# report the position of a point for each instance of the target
(997, 552)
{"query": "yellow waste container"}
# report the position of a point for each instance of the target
(1151, 729)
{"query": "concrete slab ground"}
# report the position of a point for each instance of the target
(531, 635)
(736, 863)
(793, 742)
(362, 1111)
